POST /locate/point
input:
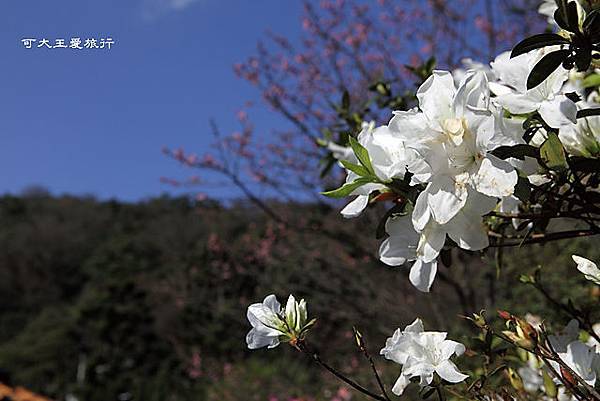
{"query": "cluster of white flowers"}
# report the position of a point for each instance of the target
(421, 353)
(444, 147)
(425, 353)
(439, 158)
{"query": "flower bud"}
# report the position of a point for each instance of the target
(515, 380)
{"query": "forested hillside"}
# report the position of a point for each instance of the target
(116, 301)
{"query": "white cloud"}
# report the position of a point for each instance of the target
(152, 9)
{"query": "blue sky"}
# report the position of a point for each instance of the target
(94, 121)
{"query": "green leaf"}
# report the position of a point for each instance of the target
(573, 96)
(362, 155)
(566, 15)
(553, 153)
(537, 42)
(347, 188)
(583, 60)
(549, 386)
(545, 67)
(355, 168)
(591, 81)
(560, 15)
(522, 189)
(517, 151)
(572, 16)
(588, 112)
(591, 26)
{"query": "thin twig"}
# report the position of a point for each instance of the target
(585, 323)
(541, 238)
(315, 357)
(363, 347)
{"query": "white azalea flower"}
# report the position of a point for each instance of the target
(271, 324)
(389, 158)
(547, 98)
(583, 138)
(422, 240)
(588, 268)
(421, 354)
(453, 134)
(580, 358)
(267, 325)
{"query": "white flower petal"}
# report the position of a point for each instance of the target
(580, 357)
(431, 241)
(436, 95)
(512, 71)
(272, 303)
(558, 111)
(589, 269)
(445, 198)
(495, 177)
(400, 385)
(255, 339)
(409, 125)
(422, 274)
(265, 323)
(449, 372)
(473, 93)
(468, 232)
(449, 348)
(517, 103)
(421, 214)
(499, 89)
(422, 368)
(401, 244)
(355, 208)
(262, 318)
(415, 327)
